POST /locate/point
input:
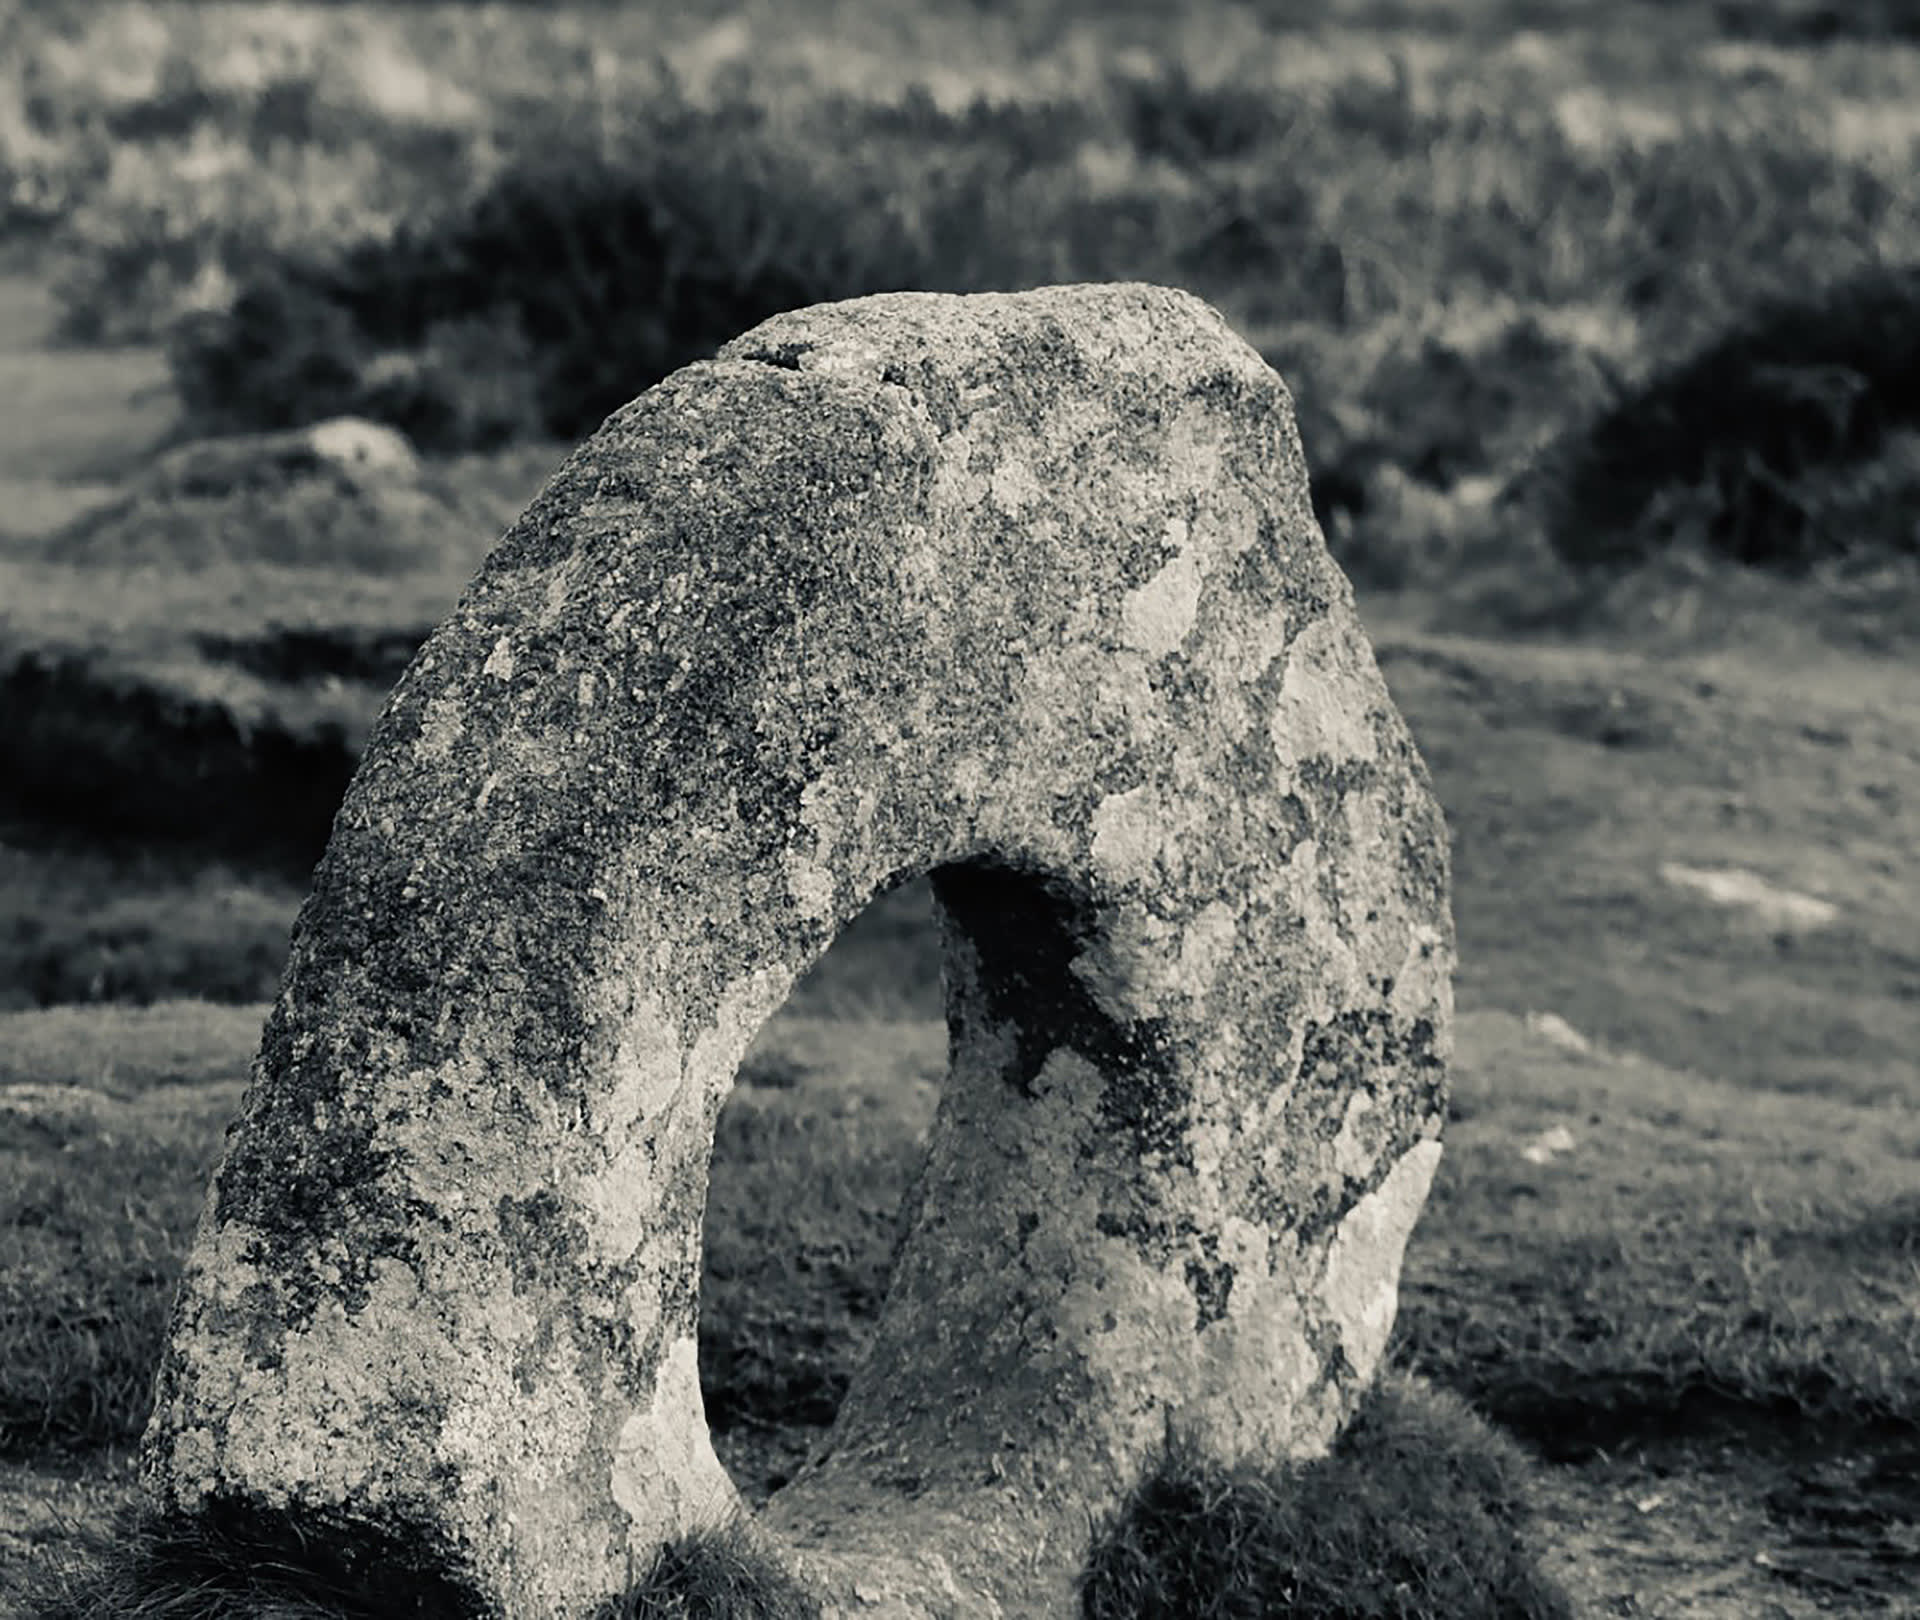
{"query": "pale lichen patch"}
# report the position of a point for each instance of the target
(665, 1476)
(1014, 486)
(645, 1072)
(1352, 1150)
(441, 723)
(1157, 617)
(1126, 839)
(1207, 945)
(1361, 1289)
(1130, 971)
(1244, 657)
(1257, 1363)
(812, 884)
(1331, 964)
(742, 1008)
(1423, 985)
(1325, 707)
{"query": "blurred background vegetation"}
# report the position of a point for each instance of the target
(1465, 230)
(1600, 320)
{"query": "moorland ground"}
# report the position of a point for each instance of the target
(1482, 242)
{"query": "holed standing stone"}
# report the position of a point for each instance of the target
(1022, 591)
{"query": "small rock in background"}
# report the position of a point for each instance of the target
(358, 444)
(344, 446)
(1548, 1146)
(1785, 910)
(1556, 1031)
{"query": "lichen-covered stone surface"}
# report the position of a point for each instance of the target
(1020, 590)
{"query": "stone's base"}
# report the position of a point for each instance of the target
(1022, 592)
(882, 1555)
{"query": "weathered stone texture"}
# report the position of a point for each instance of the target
(1021, 590)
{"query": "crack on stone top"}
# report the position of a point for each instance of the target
(786, 356)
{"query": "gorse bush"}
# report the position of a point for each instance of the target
(1741, 445)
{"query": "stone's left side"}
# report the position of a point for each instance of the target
(443, 1295)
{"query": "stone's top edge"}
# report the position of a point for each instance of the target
(1112, 317)
(1075, 294)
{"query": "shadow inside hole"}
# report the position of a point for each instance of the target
(818, 1147)
(813, 1156)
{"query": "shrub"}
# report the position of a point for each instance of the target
(1816, 22)
(572, 283)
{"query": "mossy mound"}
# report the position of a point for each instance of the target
(1417, 1514)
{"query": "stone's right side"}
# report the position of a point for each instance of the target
(1198, 954)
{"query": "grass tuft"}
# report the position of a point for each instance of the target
(714, 1574)
(238, 1563)
(1418, 1512)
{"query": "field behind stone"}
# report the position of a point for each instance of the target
(1676, 1242)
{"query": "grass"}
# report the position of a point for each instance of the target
(103, 1163)
(1700, 1252)
(1701, 1243)
(1704, 1253)
(241, 1566)
(85, 925)
(718, 1574)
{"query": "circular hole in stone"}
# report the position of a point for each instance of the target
(813, 1155)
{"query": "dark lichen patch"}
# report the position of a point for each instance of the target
(1324, 787)
(539, 1234)
(1028, 930)
(1034, 365)
(1211, 1280)
(1145, 1098)
(786, 356)
(335, 1189)
(1364, 1051)
(1363, 1048)
(1309, 1214)
(1233, 393)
